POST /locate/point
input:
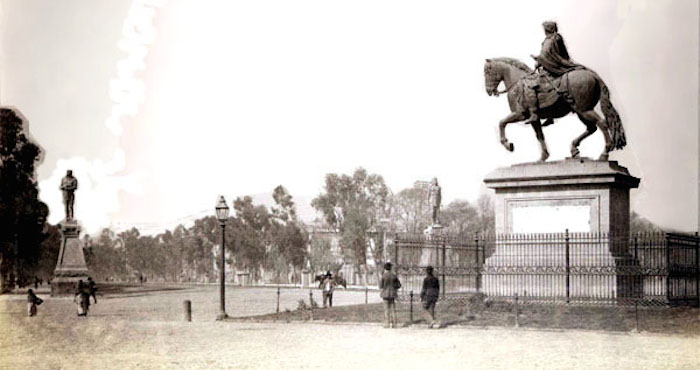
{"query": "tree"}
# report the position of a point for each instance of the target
(48, 252)
(362, 198)
(287, 232)
(22, 214)
(639, 224)
(105, 256)
(411, 211)
(321, 257)
(249, 234)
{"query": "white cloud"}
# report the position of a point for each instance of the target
(99, 185)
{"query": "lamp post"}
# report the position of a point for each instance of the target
(222, 216)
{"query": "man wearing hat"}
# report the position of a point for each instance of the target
(389, 285)
(328, 286)
(429, 294)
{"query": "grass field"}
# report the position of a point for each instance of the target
(142, 327)
(475, 312)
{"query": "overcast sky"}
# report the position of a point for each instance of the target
(158, 107)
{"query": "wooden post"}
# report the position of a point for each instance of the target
(278, 301)
(311, 304)
(188, 310)
(366, 295)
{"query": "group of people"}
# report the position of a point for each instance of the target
(83, 292)
(390, 285)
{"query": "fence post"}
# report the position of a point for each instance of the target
(697, 269)
(396, 249)
(517, 312)
(668, 267)
(188, 310)
(636, 316)
(410, 317)
(568, 268)
(278, 301)
(366, 295)
(444, 267)
(476, 264)
(636, 247)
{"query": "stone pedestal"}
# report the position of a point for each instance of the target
(306, 278)
(588, 198)
(430, 253)
(71, 266)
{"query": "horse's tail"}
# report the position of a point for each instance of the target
(612, 118)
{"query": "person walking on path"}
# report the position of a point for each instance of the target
(32, 302)
(429, 294)
(328, 285)
(389, 286)
(82, 298)
(92, 289)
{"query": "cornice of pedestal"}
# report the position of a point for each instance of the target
(578, 171)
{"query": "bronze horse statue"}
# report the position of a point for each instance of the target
(583, 89)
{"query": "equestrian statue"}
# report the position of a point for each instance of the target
(557, 87)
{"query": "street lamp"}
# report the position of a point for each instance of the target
(222, 216)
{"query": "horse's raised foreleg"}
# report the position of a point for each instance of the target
(592, 121)
(540, 137)
(513, 117)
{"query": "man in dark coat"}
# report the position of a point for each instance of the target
(429, 294)
(92, 288)
(389, 286)
(328, 284)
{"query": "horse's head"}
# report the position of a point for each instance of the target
(492, 77)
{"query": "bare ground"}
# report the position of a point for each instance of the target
(144, 329)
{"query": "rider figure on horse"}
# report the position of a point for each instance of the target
(554, 58)
(552, 63)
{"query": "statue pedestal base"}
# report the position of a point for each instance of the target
(430, 253)
(71, 266)
(305, 278)
(588, 198)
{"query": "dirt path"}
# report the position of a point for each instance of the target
(134, 333)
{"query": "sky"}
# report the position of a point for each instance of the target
(160, 106)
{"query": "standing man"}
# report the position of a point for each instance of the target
(434, 199)
(328, 286)
(389, 285)
(429, 294)
(92, 288)
(69, 185)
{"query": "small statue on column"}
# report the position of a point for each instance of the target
(69, 185)
(434, 199)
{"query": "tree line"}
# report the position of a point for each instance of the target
(358, 209)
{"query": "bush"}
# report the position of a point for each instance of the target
(303, 306)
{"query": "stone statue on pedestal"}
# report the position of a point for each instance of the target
(434, 199)
(71, 266)
(69, 185)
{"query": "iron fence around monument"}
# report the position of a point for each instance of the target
(573, 268)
